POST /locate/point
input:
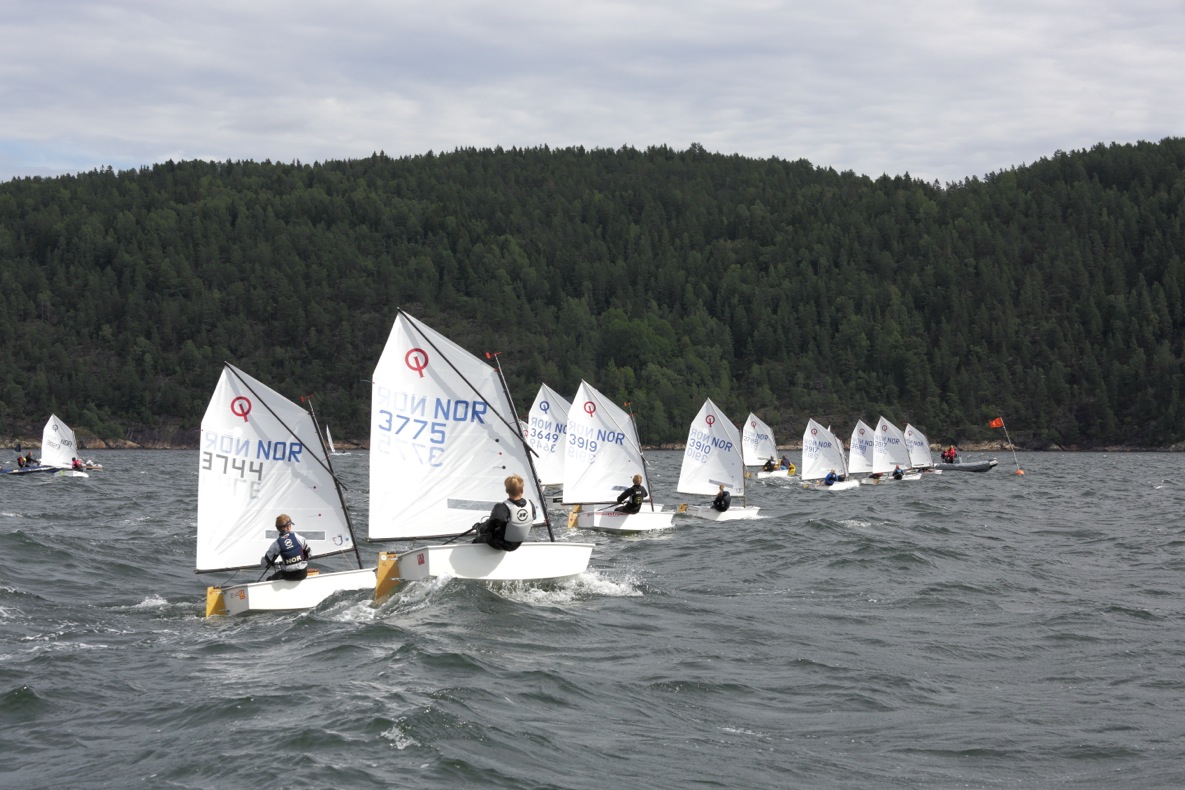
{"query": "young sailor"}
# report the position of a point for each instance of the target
(633, 497)
(722, 500)
(289, 553)
(510, 521)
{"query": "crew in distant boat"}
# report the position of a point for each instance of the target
(770, 465)
(76, 464)
(289, 552)
(723, 499)
(831, 478)
(633, 497)
(510, 521)
(30, 460)
(950, 455)
(20, 461)
(897, 473)
(788, 465)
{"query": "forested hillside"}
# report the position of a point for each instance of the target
(1050, 294)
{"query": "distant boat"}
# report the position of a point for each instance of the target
(974, 466)
(261, 455)
(329, 442)
(822, 453)
(58, 448)
(918, 446)
(443, 439)
(759, 446)
(603, 455)
(889, 451)
(712, 458)
(860, 450)
(547, 434)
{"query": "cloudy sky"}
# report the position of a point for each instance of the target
(942, 90)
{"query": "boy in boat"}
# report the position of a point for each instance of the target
(770, 465)
(510, 521)
(633, 497)
(289, 552)
(722, 500)
(831, 478)
(897, 473)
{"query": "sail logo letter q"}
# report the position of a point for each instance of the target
(417, 360)
(240, 407)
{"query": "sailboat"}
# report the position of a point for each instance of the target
(889, 451)
(918, 446)
(712, 458)
(822, 453)
(758, 446)
(443, 439)
(860, 450)
(603, 455)
(547, 434)
(261, 455)
(58, 448)
(329, 443)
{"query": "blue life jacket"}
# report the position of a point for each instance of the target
(291, 552)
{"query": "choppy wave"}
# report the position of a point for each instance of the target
(982, 630)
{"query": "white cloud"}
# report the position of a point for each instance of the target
(939, 90)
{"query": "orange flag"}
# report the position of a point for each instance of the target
(996, 423)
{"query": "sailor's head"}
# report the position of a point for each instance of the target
(637, 480)
(722, 487)
(283, 522)
(514, 486)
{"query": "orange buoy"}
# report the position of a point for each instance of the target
(1020, 471)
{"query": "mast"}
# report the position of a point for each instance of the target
(530, 450)
(336, 482)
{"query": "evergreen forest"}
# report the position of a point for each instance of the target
(1050, 294)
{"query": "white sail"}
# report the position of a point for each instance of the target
(860, 449)
(712, 455)
(58, 447)
(443, 437)
(329, 441)
(603, 453)
(821, 453)
(547, 433)
(919, 448)
(758, 442)
(888, 450)
(260, 456)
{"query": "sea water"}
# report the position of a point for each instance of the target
(965, 630)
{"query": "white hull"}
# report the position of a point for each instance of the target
(283, 595)
(783, 473)
(870, 481)
(842, 485)
(732, 514)
(70, 473)
(624, 523)
(529, 562)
